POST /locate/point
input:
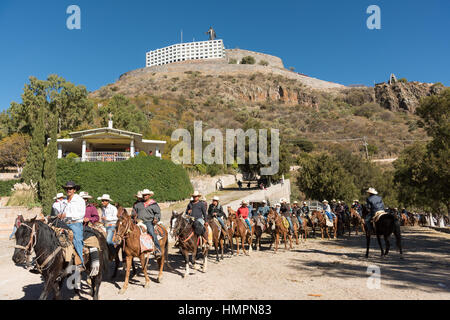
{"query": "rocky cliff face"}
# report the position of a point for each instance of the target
(400, 96)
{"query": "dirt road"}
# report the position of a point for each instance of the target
(329, 269)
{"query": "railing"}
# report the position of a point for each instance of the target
(106, 156)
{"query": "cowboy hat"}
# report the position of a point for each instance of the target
(85, 195)
(244, 202)
(325, 201)
(138, 194)
(215, 198)
(146, 191)
(196, 194)
(295, 202)
(304, 202)
(104, 197)
(71, 184)
(59, 195)
(277, 205)
(372, 191)
(264, 201)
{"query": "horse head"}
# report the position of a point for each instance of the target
(123, 225)
(24, 241)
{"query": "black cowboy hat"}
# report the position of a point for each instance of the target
(71, 184)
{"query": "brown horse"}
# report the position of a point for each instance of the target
(356, 221)
(275, 221)
(129, 234)
(261, 227)
(404, 220)
(412, 220)
(219, 236)
(322, 222)
(182, 229)
(239, 229)
(302, 228)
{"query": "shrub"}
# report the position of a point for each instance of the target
(142, 154)
(232, 61)
(72, 155)
(402, 80)
(121, 180)
(248, 60)
(6, 186)
(263, 63)
(24, 195)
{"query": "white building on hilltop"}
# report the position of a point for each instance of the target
(211, 49)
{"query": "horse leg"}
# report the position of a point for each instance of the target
(221, 249)
(127, 275)
(398, 237)
(237, 246)
(194, 256)
(380, 244)
(243, 243)
(285, 241)
(144, 264)
(186, 260)
(367, 243)
(386, 241)
(205, 259)
(277, 238)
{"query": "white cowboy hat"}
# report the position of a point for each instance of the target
(264, 201)
(295, 202)
(282, 200)
(146, 191)
(325, 201)
(277, 205)
(372, 191)
(85, 195)
(334, 200)
(244, 202)
(304, 202)
(196, 194)
(215, 198)
(105, 197)
(192, 199)
(59, 195)
(138, 194)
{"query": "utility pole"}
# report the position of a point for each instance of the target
(365, 145)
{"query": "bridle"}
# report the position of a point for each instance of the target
(126, 232)
(31, 243)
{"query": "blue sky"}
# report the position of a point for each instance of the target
(328, 40)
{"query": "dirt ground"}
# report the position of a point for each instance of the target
(318, 269)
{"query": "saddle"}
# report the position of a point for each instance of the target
(146, 240)
(378, 215)
(285, 223)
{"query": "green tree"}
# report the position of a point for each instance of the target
(248, 60)
(35, 160)
(323, 177)
(48, 187)
(14, 150)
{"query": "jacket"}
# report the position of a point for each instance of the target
(198, 210)
(147, 214)
(215, 209)
(374, 204)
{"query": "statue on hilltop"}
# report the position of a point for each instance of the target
(211, 33)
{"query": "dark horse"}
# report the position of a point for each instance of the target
(385, 226)
(181, 227)
(38, 236)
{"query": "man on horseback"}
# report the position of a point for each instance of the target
(215, 210)
(327, 210)
(109, 217)
(374, 205)
(59, 205)
(150, 213)
(264, 210)
(285, 211)
(242, 212)
(197, 210)
(91, 214)
(74, 214)
(357, 206)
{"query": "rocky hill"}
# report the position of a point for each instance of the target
(227, 95)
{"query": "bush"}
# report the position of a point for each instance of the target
(142, 154)
(121, 180)
(263, 63)
(248, 60)
(402, 80)
(6, 186)
(232, 61)
(72, 156)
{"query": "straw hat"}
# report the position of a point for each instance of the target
(85, 195)
(372, 191)
(59, 195)
(146, 191)
(105, 197)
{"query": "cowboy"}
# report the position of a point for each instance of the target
(333, 205)
(374, 204)
(215, 210)
(109, 217)
(264, 210)
(285, 211)
(250, 209)
(277, 207)
(297, 212)
(305, 208)
(59, 205)
(19, 220)
(357, 206)
(91, 215)
(150, 213)
(327, 209)
(74, 213)
(242, 212)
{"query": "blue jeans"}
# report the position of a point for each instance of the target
(151, 231)
(110, 234)
(290, 223)
(248, 223)
(300, 220)
(77, 229)
(330, 215)
(221, 222)
(13, 233)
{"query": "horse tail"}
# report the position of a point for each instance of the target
(104, 250)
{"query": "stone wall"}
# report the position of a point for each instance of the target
(206, 184)
(238, 54)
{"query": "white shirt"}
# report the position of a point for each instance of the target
(59, 206)
(75, 209)
(110, 213)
